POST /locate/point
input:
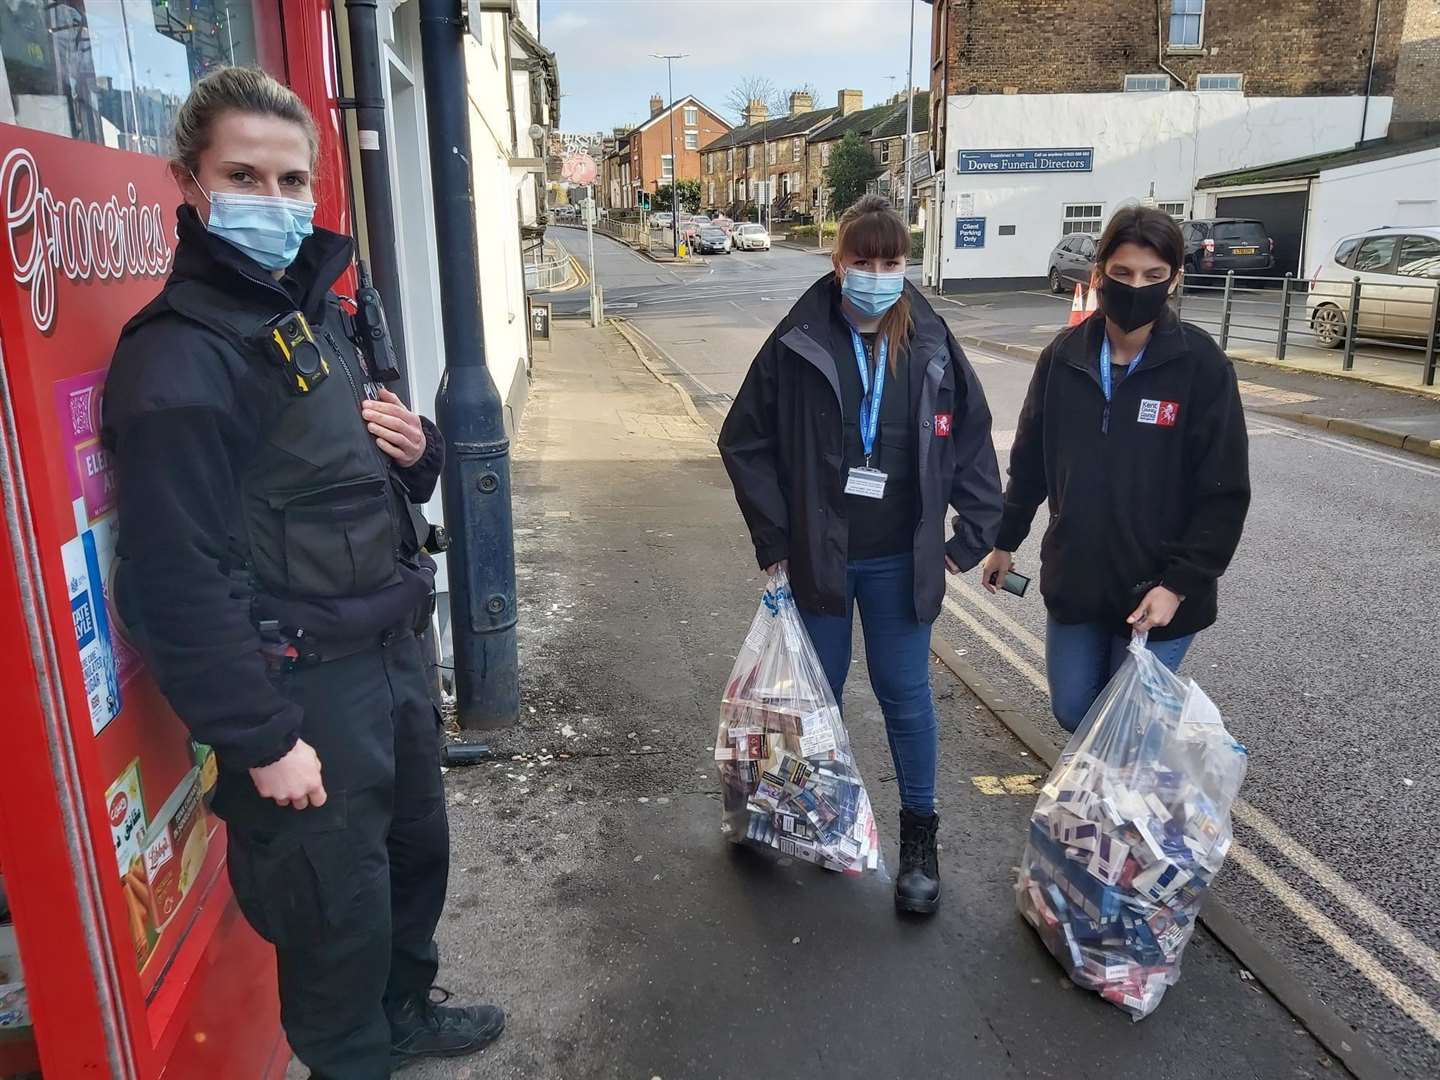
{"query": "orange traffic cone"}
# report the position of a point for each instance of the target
(1092, 302)
(1077, 308)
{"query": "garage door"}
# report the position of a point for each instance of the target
(1284, 217)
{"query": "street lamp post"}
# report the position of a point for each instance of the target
(909, 112)
(669, 59)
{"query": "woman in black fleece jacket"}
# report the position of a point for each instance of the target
(1133, 432)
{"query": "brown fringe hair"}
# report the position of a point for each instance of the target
(871, 229)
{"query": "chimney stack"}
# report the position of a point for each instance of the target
(850, 101)
(756, 111)
(657, 105)
(801, 102)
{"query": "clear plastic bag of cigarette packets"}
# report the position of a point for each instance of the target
(1131, 827)
(789, 777)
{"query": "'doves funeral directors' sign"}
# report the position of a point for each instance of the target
(1074, 159)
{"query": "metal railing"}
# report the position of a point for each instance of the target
(631, 231)
(1377, 322)
(550, 270)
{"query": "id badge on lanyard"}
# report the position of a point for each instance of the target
(865, 481)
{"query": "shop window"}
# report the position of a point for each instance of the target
(116, 73)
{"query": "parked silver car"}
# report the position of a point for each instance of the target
(1399, 272)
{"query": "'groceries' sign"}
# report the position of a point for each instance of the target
(1075, 159)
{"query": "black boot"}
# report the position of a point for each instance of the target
(917, 885)
(421, 1027)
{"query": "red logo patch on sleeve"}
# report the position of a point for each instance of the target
(942, 425)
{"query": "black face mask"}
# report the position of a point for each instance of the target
(1129, 307)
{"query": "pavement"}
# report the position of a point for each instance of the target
(1323, 660)
(594, 897)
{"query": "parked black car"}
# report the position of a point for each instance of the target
(1216, 245)
(1072, 260)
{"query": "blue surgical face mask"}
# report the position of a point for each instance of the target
(268, 228)
(870, 293)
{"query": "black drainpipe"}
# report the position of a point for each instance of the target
(368, 104)
(468, 409)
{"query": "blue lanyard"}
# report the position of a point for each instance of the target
(869, 403)
(1105, 377)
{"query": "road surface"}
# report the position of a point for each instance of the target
(1324, 661)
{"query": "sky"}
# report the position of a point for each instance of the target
(603, 49)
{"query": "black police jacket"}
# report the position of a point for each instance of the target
(1155, 496)
(241, 501)
(783, 446)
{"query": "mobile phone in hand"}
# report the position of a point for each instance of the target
(1015, 583)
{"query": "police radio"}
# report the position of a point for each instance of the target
(372, 331)
(290, 344)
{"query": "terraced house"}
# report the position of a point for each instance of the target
(764, 160)
(780, 162)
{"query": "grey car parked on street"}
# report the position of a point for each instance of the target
(1072, 261)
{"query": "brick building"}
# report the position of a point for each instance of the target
(1417, 72)
(887, 142)
(646, 163)
(781, 162)
(822, 143)
(1282, 48)
(615, 170)
(1105, 102)
(764, 160)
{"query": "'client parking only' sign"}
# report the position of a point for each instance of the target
(1074, 159)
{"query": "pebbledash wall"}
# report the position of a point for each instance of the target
(1140, 145)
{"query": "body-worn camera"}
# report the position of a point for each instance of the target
(290, 344)
(372, 331)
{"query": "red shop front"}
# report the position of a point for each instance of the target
(123, 953)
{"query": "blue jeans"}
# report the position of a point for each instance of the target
(897, 649)
(1080, 660)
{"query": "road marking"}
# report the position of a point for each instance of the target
(1272, 394)
(974, 595)
(1006, 653)
(1360, 906)
(1415, 950)
(1397, 459)
(1386, 982)
(1016, 784)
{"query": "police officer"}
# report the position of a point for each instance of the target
(271, 550)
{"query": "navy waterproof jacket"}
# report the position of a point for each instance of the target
(783, 446)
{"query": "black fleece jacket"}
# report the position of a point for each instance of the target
(1155, 493)
(177, 422)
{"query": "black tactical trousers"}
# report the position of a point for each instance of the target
(349, 893)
